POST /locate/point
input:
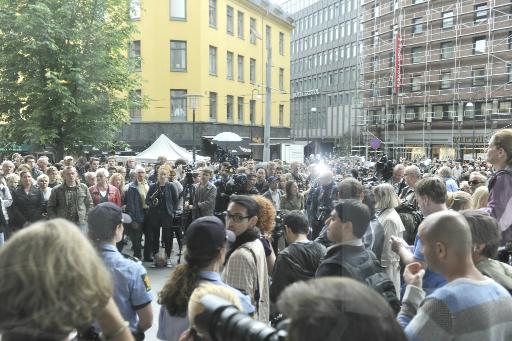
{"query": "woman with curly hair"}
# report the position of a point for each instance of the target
(117, 180)
(207, 239)
(49, 289)
(266, 224)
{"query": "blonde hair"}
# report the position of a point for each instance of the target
(460, 201)
(385, 196)
(113, 177)
(52, 280)
(194, 304)
(480, 194)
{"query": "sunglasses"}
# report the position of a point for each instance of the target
(474, 182)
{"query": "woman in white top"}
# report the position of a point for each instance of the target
(385, 202)
(42, 183)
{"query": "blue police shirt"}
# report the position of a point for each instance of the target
(132, 288)
(431, 280)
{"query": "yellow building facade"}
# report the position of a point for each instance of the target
(216, 49)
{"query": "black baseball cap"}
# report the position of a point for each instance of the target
(104, 218)
(206, 235)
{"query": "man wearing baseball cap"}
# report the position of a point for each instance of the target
(132, 288)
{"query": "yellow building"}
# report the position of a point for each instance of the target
(216, 49)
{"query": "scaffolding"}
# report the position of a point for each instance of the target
(452, 53)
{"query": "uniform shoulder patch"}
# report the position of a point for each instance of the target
(135, 259)
(146, 281)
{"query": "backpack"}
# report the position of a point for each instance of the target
(411, 219)
(373, 274)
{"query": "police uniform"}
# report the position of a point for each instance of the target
(132, 288)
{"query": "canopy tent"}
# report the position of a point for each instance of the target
(163, 146)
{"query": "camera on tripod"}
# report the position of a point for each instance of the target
(278, 231)
(190, 173)
(221, 321)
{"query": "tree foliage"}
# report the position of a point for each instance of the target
(64, 75)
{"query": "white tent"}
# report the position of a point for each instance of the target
(163, 146)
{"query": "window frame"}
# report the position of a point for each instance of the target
(173, 18)
(182, 99)
(183, 69)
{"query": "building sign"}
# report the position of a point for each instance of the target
(398, 62)
(469, 139)
(305, 93)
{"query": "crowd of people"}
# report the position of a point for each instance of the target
(328, 249)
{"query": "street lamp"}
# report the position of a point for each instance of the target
(313, 110)
(470, 107)
(193, 100)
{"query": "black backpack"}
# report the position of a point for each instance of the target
(411, 218)
(373, 274)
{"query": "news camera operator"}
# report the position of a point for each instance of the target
(321, 201)
(222, 198)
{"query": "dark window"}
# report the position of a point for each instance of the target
(447, 22)
(478, 76)
(447, 50)
(417, 25)
(481, 13)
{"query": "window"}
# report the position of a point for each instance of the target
(509, 72)
(178, 55)
(446, 80)
(414, 2)
(229, 62)
(213, 61)
(240, 29)
(252, 71)
(134, 54)
(354, 50)
(416, 83)
(447, 22)
(447, 50)
(212, 19)
(416, 55)
(229, 20)
(281, 43)
(509, 38)
(281, 79)
(135, 107)
(252, 111)
(417, 26)
(240, 109)
(252, 30)
(480, 13)
(479, 44)
(268, 36)
(213, 105)
(134, 9)
(478, 76)
(179, 104)
(178, 9)
(240, 68)
(229, 107)
(281, 114)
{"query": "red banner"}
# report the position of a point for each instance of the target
(398, 62)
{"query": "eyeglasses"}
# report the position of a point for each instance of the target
(237, 218)
(474, 182)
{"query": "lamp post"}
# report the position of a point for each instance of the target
(193, 100)
(470, 107)
(312, 110)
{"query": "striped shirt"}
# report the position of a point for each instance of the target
(463, 309)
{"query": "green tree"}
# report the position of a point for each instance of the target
(64, 73)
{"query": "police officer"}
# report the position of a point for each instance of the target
(132, 289)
